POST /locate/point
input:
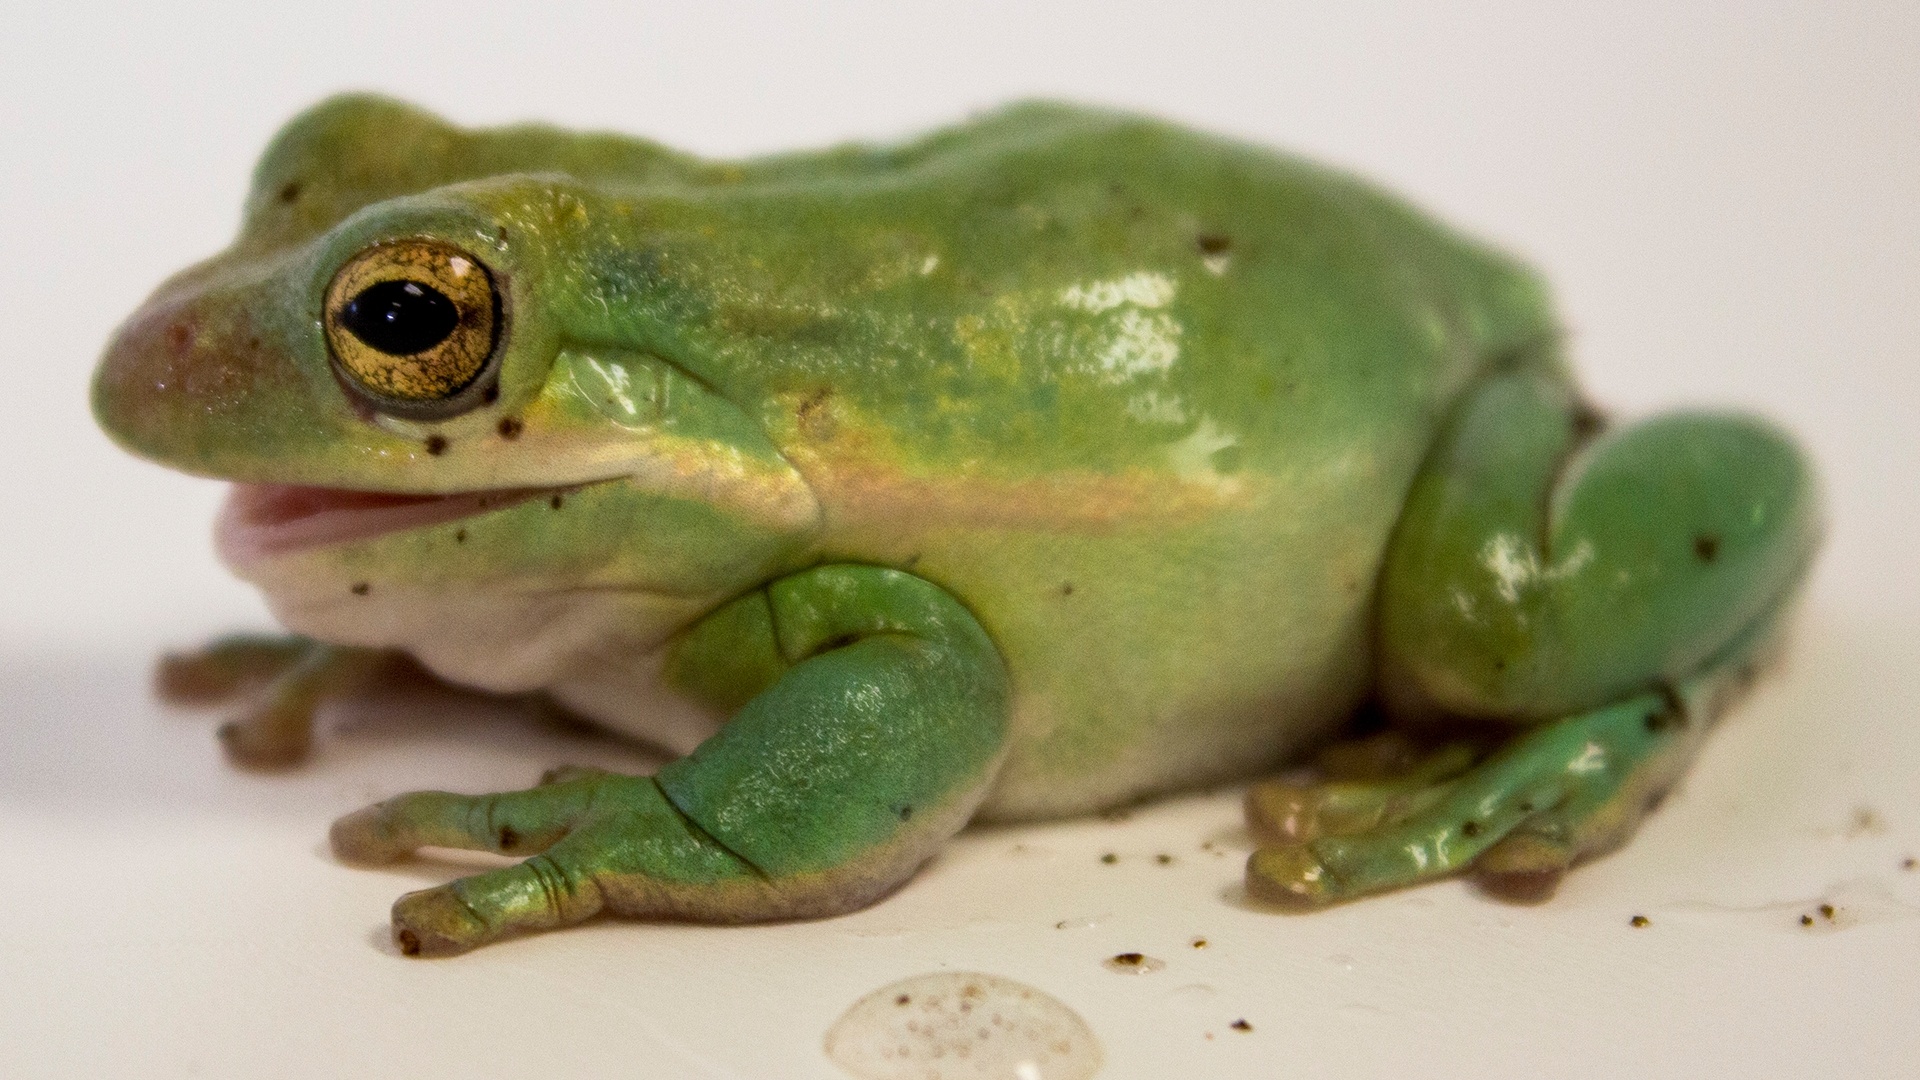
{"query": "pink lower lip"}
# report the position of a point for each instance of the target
(263, 520)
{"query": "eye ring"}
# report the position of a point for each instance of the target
(413, 326)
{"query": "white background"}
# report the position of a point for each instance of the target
(1727, 198)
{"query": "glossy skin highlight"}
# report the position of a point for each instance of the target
(1049, 462)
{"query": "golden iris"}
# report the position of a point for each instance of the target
(412, 322)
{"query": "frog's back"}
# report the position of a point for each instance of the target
(1148, 401)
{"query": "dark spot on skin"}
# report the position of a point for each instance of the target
(179, 335)
(253, 344)
(1129, 959)
(813, 417)
(1470, 828)
(491, 394)
(1706, 547)
(557, 501)
(1241, 1025)
(1639, 920)
(906, 813)
(1826, 912)
(903, 999)
(510, 427)
(1213, 243)
(361, 588)
(1163, 860)
(409, 943)
(1500, 664)
(436, 445)
(460, 536)
(1526, 808)
(290, 191)
(508, 838)
(913, 560)
(1588, 421)
(1109, 858)
(1066, 588)
(1806, 920)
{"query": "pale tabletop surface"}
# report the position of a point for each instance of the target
(1724, 199)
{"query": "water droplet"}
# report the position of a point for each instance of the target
(962, 1026)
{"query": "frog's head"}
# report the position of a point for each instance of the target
(396, 365)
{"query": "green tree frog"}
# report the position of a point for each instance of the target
(1049, 462)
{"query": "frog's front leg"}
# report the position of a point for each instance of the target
(280, 680)
(1598, 596)
(872, 718)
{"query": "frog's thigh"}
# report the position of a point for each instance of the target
(1588, 590)
(874, 720)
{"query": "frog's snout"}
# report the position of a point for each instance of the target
(178, 367)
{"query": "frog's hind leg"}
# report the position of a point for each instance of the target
(1598, 596)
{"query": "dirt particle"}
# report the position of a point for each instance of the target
(1133, 963)
(460, 536)
(1910, 863)
(1163, 859)
(1826, 912)
(1806, 920)
(1199, 943)
(1241, 1025)
(1109, 858)
(436, 445)
(510, 427)
(360, 588)
(1213, 243)
(1706, 547)
(903, 1000)
(1639, 921)
(557, 501)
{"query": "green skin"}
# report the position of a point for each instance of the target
(1049, 462)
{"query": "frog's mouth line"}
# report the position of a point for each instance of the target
(260, 521)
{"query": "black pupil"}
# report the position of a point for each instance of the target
(400, 318)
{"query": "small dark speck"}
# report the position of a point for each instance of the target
(1826, 912)
(436, 445)
(409, 942)
(1707, 547)
(1109, 858)
(460, 536)
(1806, 920)
(1066, 588)
(491, 394)
(903, 999)
(508, 837)
(913, 560)
(1163, 860)
(290, 191)
(557, 501)
(1241, 1025)
(361, 588)
(510, 427)
(1470, 828)
(1199, 943)
(1213, 243)
(1129, 959)
(1639, 920)
(1910, 863)
(906, 813)
(1526, 808)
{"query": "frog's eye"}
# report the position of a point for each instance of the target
(412, 325)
